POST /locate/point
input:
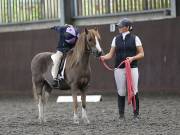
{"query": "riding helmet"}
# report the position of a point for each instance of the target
(125, 22)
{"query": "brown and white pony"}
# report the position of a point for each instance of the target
(77, 72)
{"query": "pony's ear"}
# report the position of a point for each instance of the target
(86, 30)
(96, 29)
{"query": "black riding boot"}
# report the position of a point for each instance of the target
(121, 105)
(55, 83)
(136, 112)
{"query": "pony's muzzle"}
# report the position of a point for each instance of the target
(98, 53)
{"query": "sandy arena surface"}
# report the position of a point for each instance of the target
(160, 115)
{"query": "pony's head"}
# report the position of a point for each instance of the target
(92, 42)
(87, 43)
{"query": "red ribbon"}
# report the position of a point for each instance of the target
(131, 95)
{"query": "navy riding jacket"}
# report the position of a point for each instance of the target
(63, 46)
(125, 48)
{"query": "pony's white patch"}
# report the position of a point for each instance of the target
(98, 45)
(40, 106)
(76, 118)
(89, 98)
(84, 115)
(75, 115)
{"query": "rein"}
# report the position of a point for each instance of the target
(131, 95)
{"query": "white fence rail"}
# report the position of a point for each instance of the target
(19, 11)
(45, 13)
(104, 7)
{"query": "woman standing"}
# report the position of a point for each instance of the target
(126, 46)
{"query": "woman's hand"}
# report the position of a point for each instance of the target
(130, 59)
(139, 55)
(102, 58)
(109, 55)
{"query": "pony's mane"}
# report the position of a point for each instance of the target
(77, 53)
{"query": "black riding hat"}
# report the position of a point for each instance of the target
(125, 22)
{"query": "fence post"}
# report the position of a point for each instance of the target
(65, 11)
(62, 13)
(107, 6)
(0, 12)
(74, 8)
(68, 8)
(173, 7)
(178, 8)
(9, 11)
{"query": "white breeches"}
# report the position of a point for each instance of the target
(56, 61)
(120, 79)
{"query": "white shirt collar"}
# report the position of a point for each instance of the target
(124, 34)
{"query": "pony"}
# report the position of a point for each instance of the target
(76, 73)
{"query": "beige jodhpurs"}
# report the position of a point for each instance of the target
(120, 79)
(56, 61)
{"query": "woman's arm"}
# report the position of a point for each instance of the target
(58, 28)
(109, 55)
(139, 55)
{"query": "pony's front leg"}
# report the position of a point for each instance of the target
(75, 106)
(84, 112)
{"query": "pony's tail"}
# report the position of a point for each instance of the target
(35, 95)
(43, 92)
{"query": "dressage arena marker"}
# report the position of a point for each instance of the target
(89, 98)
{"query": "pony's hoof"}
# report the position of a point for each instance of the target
(76, 121)
(86, 121)
(42, 120)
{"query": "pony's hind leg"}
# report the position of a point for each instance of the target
(43, 98)
(37, 92)
(46, 92)
(42, 90)
(84, 111)
(39, 88)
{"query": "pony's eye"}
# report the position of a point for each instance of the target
(90, 39)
